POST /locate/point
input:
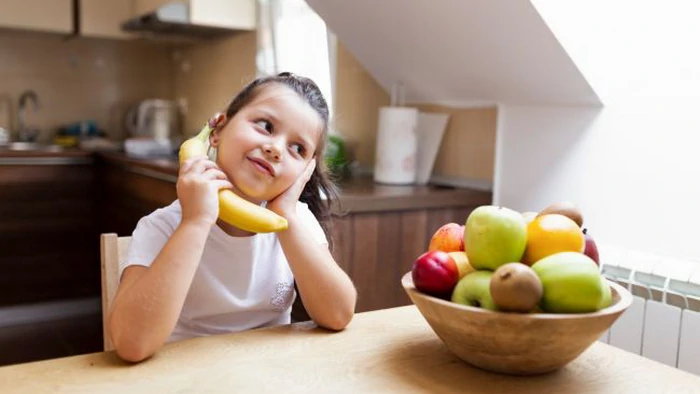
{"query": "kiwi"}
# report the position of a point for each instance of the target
(567, 209)
(515, 287)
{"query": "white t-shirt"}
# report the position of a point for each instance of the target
(240, 283)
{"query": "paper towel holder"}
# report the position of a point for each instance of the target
(407, 141)
(398, 94)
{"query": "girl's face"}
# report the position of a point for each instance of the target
(266, 146)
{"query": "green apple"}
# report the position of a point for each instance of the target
(494, 236)
(607, 294)
(571, 282)
(474, 290)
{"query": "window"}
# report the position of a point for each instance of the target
(292, 37)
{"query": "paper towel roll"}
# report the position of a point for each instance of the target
(395, 157)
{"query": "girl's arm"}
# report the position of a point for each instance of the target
(327, 292)
(149, 300)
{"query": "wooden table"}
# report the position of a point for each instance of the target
(392, 350)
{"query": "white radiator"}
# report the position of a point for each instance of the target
(663, 322)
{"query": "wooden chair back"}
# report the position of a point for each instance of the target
(112, 251)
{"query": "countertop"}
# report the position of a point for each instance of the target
(34, 157)
(391, 350)
(358, 194)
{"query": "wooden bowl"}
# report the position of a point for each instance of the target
(514, 343)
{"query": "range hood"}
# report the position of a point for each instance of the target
(173, 19)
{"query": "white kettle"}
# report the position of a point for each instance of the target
(154, 118)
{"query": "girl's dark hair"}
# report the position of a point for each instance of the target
(320, 184)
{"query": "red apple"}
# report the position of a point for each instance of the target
(591, 250)
(435, 273)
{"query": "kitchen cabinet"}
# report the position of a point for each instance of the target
(145, 6)
(127, 192)
(48, 240)
(378, 235)
(376, 249)
(103, 18)
(232, 14)
(54, 16)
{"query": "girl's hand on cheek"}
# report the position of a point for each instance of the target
(198, 185)
(286, 203)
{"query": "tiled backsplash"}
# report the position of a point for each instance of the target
(82, 78)
(79, 78)
(209, 74)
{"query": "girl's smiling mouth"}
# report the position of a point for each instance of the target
(262, 166)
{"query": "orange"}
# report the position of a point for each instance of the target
(552, 233)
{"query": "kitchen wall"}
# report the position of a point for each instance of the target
(85, 78)
(358, 98)
(98, 79)
(208, 75)
(633, 165)
(78, 79)
(468, 146)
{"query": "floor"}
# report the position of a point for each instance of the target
(60, 335)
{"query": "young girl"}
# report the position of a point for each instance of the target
(188, 274)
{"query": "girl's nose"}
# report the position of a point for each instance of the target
(272, 151)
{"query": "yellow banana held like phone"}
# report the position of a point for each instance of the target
(232, 208)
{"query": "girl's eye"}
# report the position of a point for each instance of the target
(298, 149)
(265, 125)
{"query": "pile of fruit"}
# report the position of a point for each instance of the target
(504, 260)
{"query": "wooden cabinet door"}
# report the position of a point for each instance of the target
(233, 14)
(103, 18)
(55, 16)
(49, 247)
(145, 6)
(377, 248)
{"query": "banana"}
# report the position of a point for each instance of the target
(233, 209)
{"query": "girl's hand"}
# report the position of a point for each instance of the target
(198, 185)
(286, 203)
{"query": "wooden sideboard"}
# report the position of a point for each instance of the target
(48, 236)
(54, 207)
(377, 248)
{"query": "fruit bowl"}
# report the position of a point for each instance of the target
(515, 343)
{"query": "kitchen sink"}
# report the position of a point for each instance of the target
(31, 146)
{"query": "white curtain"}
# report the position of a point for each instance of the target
(292, 37)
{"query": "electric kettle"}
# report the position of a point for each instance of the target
(155, 119)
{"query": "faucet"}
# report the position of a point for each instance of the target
(26, 134)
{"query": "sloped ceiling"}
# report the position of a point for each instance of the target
(458, 51)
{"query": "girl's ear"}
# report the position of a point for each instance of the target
(214, 137)
(216, 122)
